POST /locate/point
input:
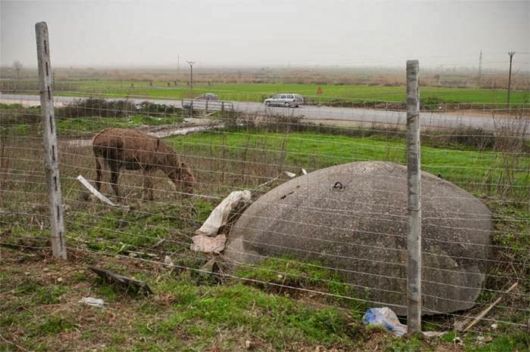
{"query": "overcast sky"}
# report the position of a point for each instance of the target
(269, 32)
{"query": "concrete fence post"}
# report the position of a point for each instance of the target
(414, 305)
(51, 160)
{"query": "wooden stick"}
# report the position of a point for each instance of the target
(127, 283)
(490, 307)
(414, 262)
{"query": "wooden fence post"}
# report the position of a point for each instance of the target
(414, 200)
(51, 161)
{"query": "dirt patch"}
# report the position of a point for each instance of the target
(41, 310)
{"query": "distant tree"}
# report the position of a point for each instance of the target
(17, 65)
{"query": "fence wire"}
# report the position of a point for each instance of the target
(328, 254)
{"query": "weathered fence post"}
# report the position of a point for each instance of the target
(414, 201)
(51, 160)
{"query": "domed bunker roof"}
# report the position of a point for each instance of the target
(353, 218)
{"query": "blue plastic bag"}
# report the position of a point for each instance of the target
(386, 318)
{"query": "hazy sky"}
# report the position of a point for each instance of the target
(269, 32)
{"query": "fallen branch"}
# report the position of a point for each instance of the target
(12, 343)
(158, 243)
(266, 183)
(490, 307)
(125, 282)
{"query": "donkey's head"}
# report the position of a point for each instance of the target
(187, 179)
(183, 178)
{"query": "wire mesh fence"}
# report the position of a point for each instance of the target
(324, 243)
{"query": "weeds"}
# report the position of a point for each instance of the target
(259, 156)
(291, 277)
(89, 115)
(180, 314)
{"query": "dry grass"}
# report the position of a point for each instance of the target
(41, 311)
(204, 75)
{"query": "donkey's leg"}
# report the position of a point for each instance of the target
(98, 174)
(148, 185)
(114, 175)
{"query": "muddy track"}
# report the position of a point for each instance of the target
(155, 131)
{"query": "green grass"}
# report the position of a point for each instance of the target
(411, 345)
(120, 231)
(181, 315)
(23, 121)
(83, 125)
(52, 325)
(190, 313)
(98, 228)
(301, 275)
(278, 320)
(257, 92)
(467, 168)
(186, 315)
(507, 343)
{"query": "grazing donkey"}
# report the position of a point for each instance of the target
(134, 150)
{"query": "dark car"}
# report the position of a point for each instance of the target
(206, 97)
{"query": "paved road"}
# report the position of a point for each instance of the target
(383, 117)
(359, 116)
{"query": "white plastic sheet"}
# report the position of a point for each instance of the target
(219, 216)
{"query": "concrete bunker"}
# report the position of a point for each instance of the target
(353, 218)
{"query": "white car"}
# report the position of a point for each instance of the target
(287, 100)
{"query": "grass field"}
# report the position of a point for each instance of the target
(41, 312)
(471, 169)
(257, 92)
(193, 311)
(25, 121)
(331, 94)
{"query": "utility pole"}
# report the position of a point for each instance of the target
(178, 66)
(511, 53)
(191, 63)
(480, 67)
